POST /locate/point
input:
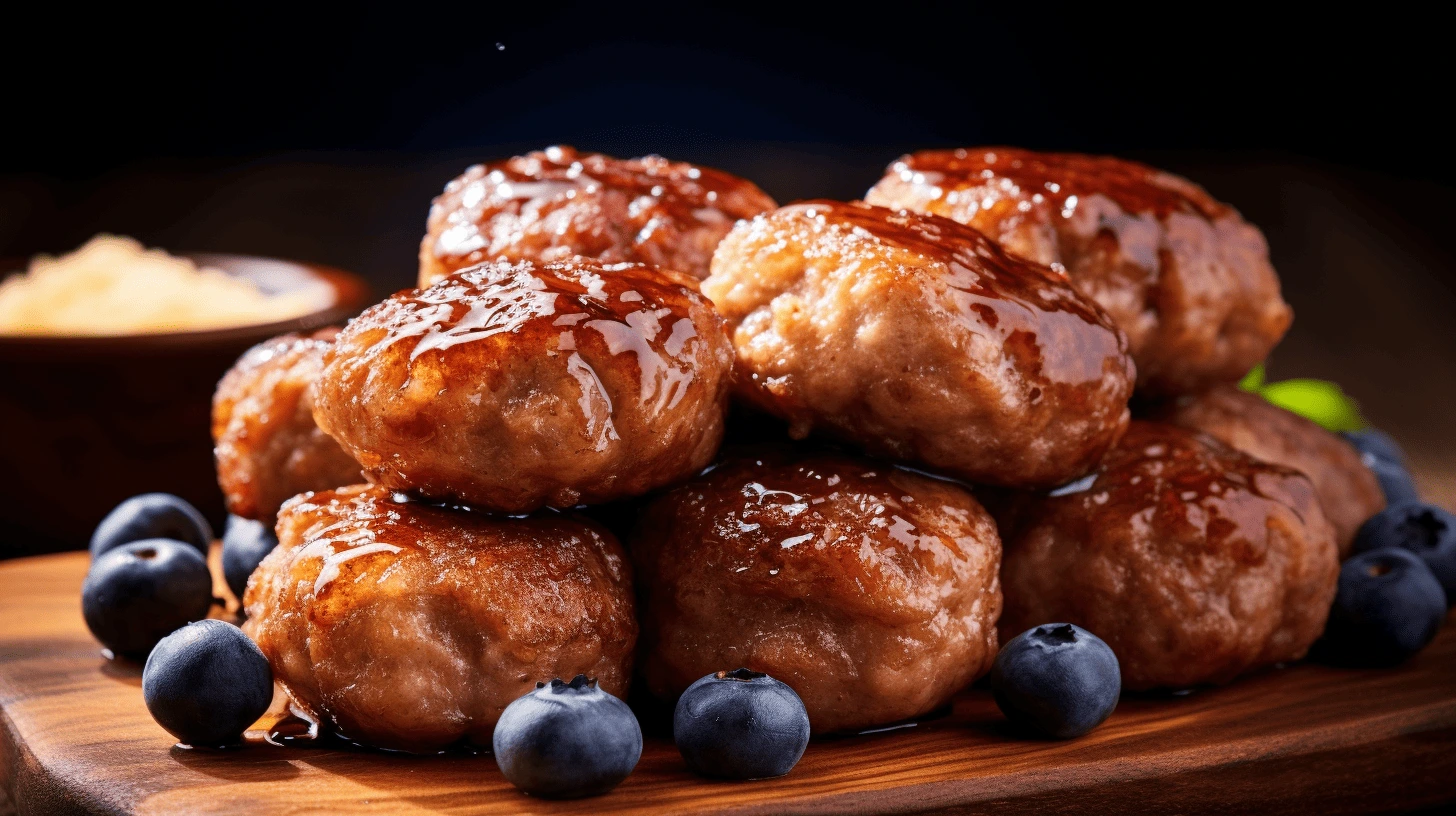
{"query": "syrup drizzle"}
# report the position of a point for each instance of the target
(1024, 304)
(1065, 180)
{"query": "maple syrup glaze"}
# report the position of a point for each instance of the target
(1195, 562)
(918, 338)
(510, 386)
(1011, 296)
(410, 626)
(1348, 492)
(871, 590)
(267, 445)
(1183, 275)
(1061, 179)
(557, 204)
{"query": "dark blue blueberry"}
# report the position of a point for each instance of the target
(567, 740)
(1395, 481)
(1377, 444)
(139, 593)
(151, 515)
(244, 544)
(1057, 679)
(1424, 529)
(1388, 607)
(206, 683)
(740, 724)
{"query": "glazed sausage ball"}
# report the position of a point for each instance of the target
(1348, 492)
(1184, 275)
(511, 386)
(917, 338)
(268, 448)
(1193, 561)
(872, 591)
(558, 204)
(411, 627)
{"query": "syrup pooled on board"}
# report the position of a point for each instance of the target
(295, 730)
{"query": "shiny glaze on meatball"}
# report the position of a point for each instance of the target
(1184, 275)
(1348, 492)
(557, 204)
(1193, 561)
(871, 590)
(411, 627)
(515, 386)
(268, 448)
(917, 338)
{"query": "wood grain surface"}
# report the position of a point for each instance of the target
(76, 737)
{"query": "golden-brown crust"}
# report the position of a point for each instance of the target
(411, 627)
(917, 338)
(872, 591)
(1348, 492)
(268, 447)
(1193, 561)
(1184, 275)
(557, 204)
(515, 386)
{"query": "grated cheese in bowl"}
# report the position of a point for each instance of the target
(115, 286)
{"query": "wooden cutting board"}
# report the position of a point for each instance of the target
(75, 737)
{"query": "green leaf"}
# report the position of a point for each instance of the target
(1319, 400)
(1254, 380)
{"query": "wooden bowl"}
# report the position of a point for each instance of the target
(89, 421)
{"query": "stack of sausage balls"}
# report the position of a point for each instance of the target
(518, 471)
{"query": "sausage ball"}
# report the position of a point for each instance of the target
(1193, 561)
(558, 204)
(1185, 276)
(872, 591)
(268, 447)
(411, 627)
(917, 338)
(1348, 492)
(511, 386)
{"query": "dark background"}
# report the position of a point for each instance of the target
(322, 134)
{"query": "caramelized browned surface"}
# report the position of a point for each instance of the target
(557, 204)
(268, 448)
(1185, 276)
(1193, 561)
(412, 627)
(917, 338)
(1347, 490)
(870, 590)
(514, 386)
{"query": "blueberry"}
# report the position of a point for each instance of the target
(1388, 607)
(206, 683)
(1057, 679)
(139, 593)
(151, 515)
(244, 545)
(1424, 529)
(1395, 481)
(1376, 444)
(567, 740)
(740, 724)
